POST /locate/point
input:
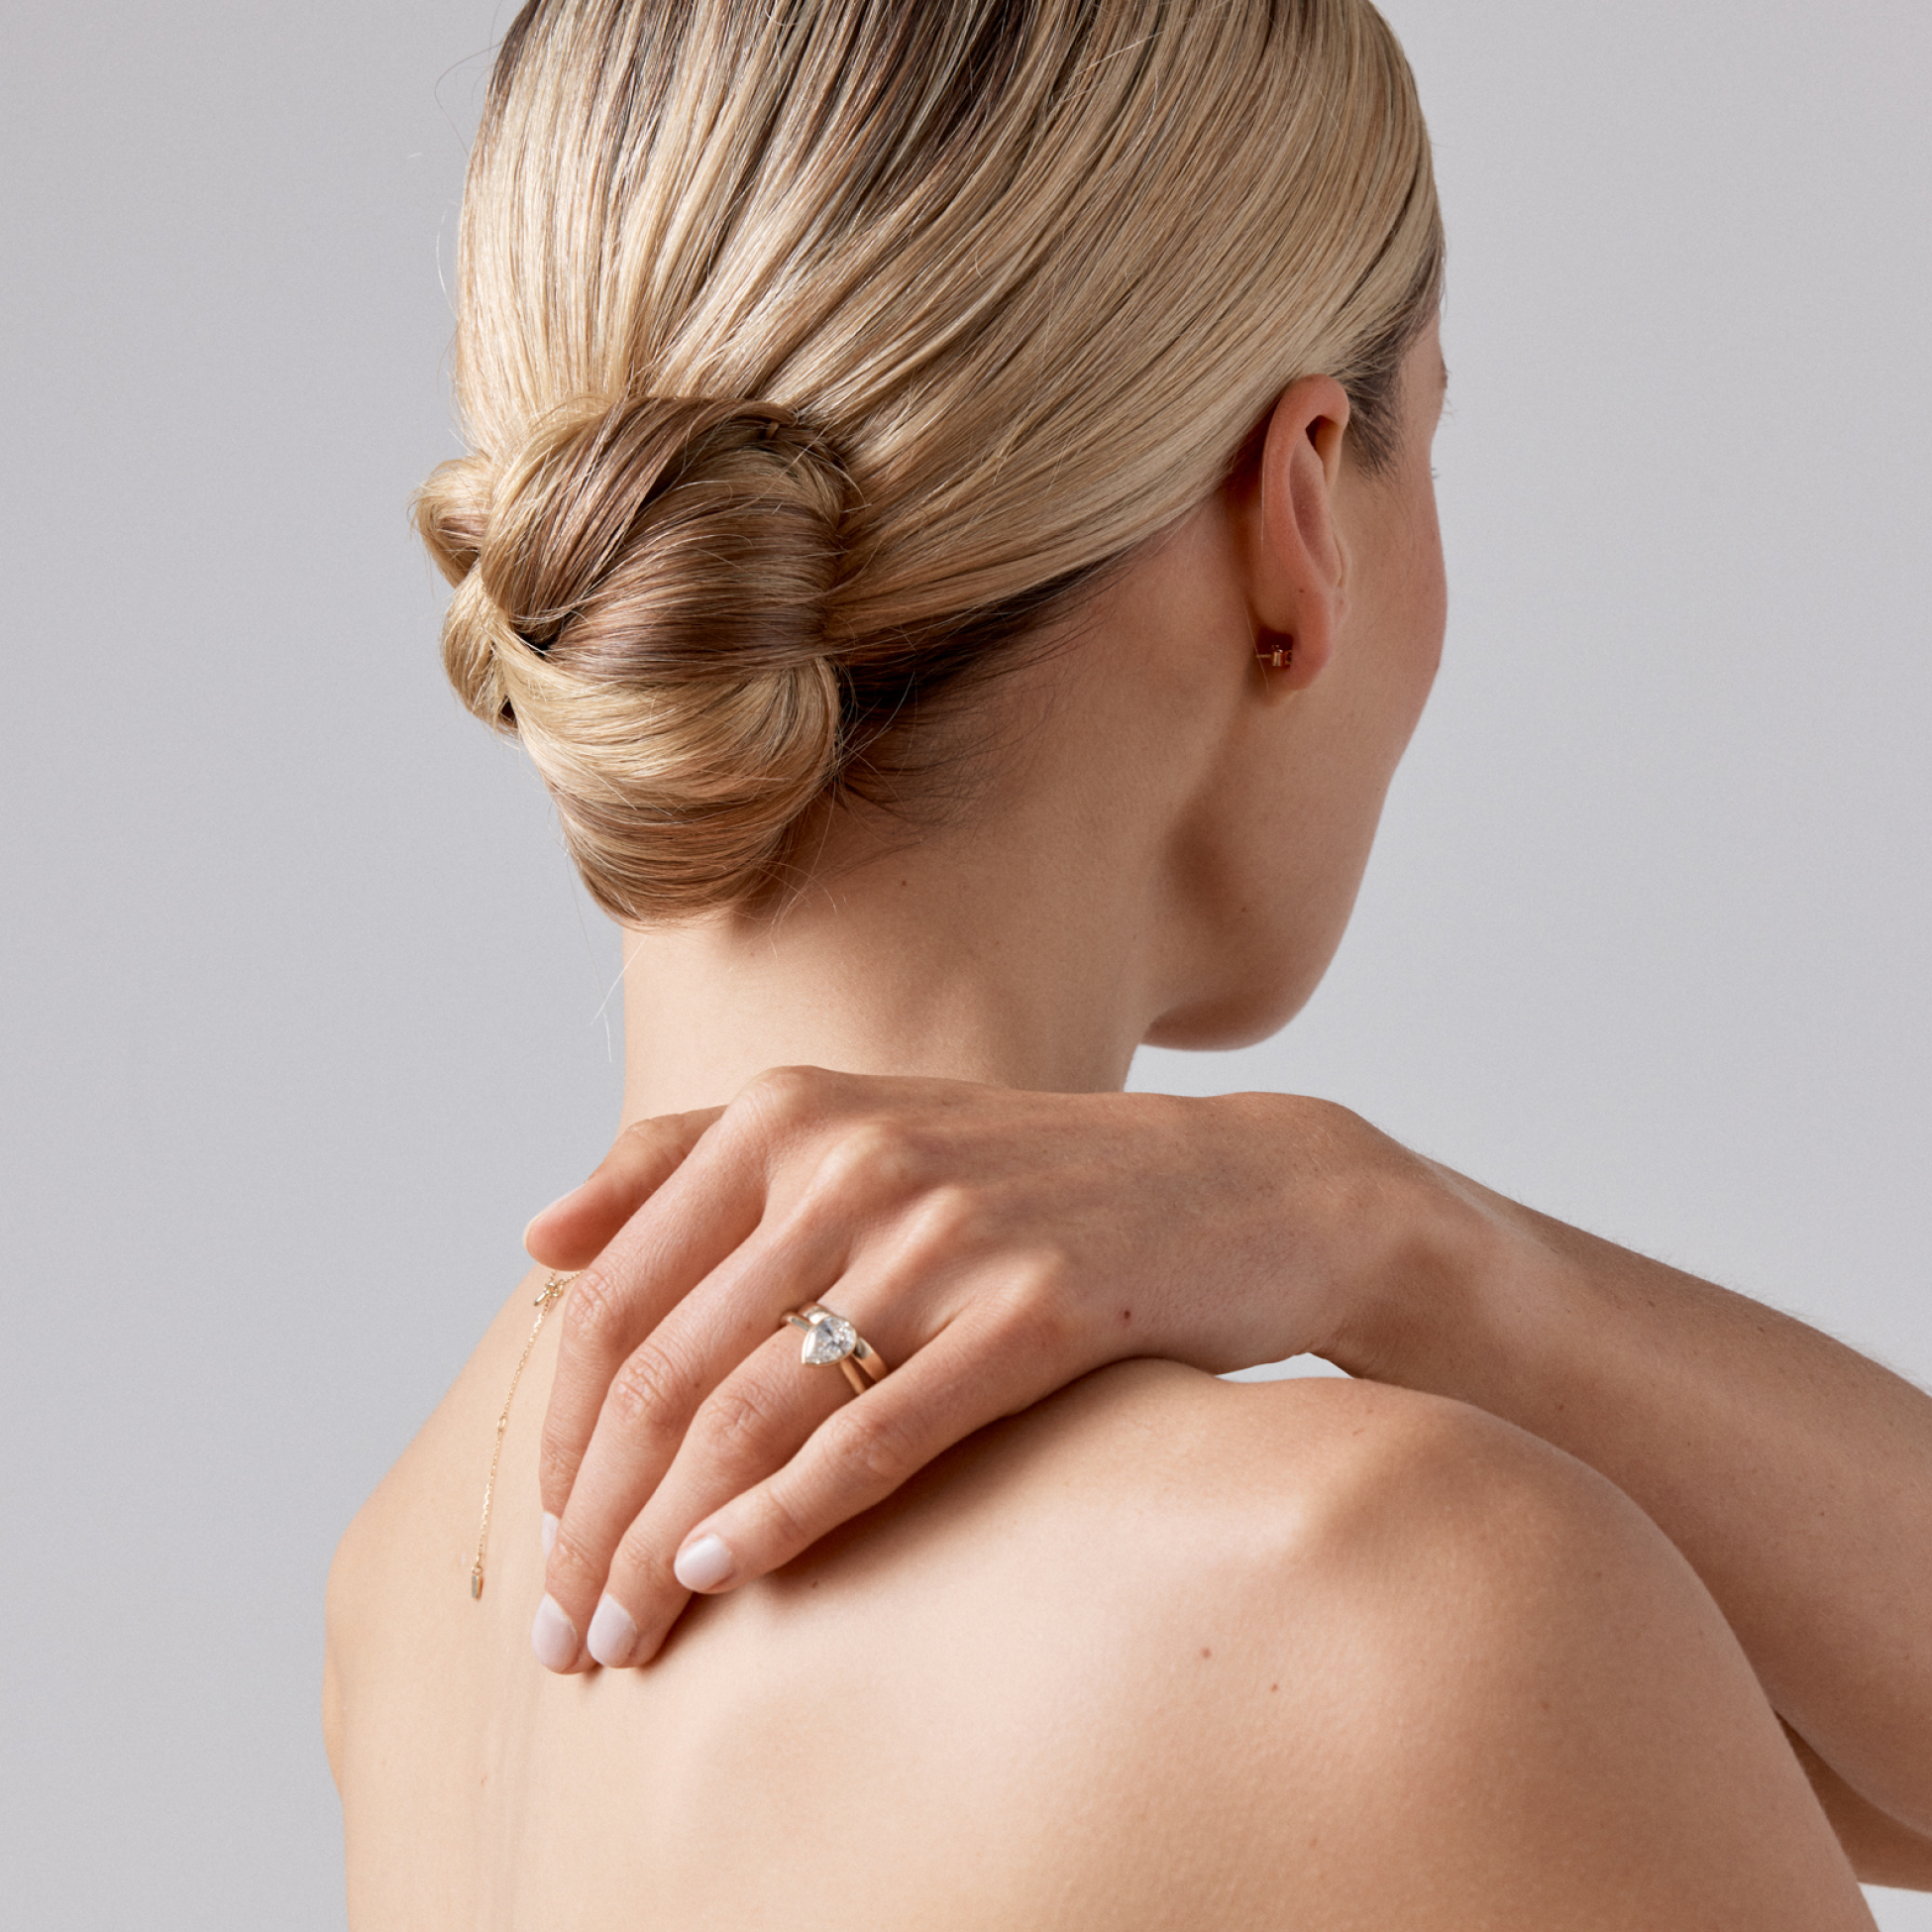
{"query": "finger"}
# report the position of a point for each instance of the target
(647, 1410)
(979, 1368)
(574, 1228)
(714, 1199)
(710, 1203)
(749, 1426)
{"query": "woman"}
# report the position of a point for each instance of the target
(951, 520)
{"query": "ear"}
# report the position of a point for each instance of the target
(1286, 503)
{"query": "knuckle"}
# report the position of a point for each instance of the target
(951, 1218)
(739, 1419)
(648, 1149)
(787, 1530)
(574, 1565)
(873, 1441)
(595, 1315)
(862, 1151)
(650, 1133)
(648, 1393)
(780, 1098)
(558, 1461)
(872, 1160)
(636, 1564)
(1035, 1313)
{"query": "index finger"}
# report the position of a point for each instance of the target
(570, 1231)
(711, 1203)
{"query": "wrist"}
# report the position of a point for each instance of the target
(1435, 1296)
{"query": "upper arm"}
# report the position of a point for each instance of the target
(1882, 1852)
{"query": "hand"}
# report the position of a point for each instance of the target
(991, 1245)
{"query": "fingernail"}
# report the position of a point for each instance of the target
(704, 1564)
(548, 1533)
(613, 1635)
(552, 1637)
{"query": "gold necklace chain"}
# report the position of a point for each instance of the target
(553, 1291)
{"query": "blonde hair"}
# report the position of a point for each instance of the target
(813, 350)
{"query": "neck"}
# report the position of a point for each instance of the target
(1021, 942)
(959, 958)
(1031, 937)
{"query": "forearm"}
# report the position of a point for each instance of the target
(1794, 1474)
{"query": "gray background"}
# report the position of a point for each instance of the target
(305, 1013)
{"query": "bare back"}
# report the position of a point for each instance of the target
(1133, 1659)
(925, 1722)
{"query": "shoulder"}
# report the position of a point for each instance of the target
(1157, 1516)
(1304, 1463)
(1204, 1647)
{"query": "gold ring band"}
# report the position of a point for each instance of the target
(830, 1338)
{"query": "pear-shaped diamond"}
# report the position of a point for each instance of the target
(832, 1338)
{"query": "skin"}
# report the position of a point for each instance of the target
(1163, 1651)
(1126, 878)
(1157, 1650)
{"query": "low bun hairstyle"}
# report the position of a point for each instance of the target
(642, 592)
(813, 353)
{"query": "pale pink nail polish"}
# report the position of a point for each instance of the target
(704, 1565)
(548, 1533)
(614, 1636)
(552, 1637)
